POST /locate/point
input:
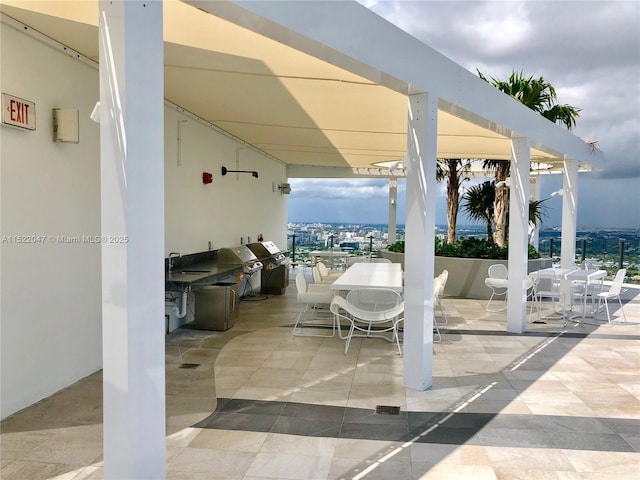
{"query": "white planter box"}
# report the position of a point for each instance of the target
(466, 275)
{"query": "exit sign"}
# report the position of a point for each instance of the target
(18, 112)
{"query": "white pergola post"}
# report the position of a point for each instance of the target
(518, 235)
(420, 235)
(569, 213)
(132, 196)
(393, 207)
(534, 232)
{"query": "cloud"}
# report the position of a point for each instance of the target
(589, 51)
(339, 200)
(340, 189)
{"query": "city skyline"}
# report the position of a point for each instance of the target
(590, 53)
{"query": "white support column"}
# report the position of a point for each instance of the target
(393, 206)
(569, 213)
(132, 194)
(534, 232)
(420, 241)
(518, 235)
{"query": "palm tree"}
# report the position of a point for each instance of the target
(453, 169)
(478, 204)
(537, 211)
(501, 169)
(540, 96)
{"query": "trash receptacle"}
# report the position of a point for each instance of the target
(216, 306)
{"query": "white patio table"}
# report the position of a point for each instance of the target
(588, 277)
(370, 275)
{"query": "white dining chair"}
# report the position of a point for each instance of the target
(316, 298)
(360, 259)
(443, 277)
(380, 260)
(614, 292)
(532, 284)
(369, 319)
(325, 274)
(437, 283)
(498, 283)
(374, 299)
(552, 289)
(317, 277)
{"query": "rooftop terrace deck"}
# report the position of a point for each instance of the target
(552, 403)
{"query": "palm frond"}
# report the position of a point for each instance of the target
(537, 211)
(478, 201)
(537, 94)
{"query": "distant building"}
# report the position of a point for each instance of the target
(349, 246)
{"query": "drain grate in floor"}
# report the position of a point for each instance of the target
(189, 365)
(387, 410)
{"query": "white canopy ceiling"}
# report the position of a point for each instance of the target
(300, 101)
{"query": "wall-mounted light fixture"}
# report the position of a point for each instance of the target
(504, 183)
(558, 192)
(253, 173)
(285, 188)
(397, 166)
(95, 113)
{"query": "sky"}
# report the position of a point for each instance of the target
(588, 50)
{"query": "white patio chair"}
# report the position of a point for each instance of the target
(498, 283)
(532, 285)
(437, 284)
(614, 292)
(368, 320)
(314, 298)
(553, 291)
(359, 259)
(374, 299)
(582, 291)
(444, 276)
(325, 274)
(317, 277)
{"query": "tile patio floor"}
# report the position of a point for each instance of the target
(551, 404)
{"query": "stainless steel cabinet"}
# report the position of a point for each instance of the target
(216, 306)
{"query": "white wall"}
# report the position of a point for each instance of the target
(50, 294)
(50, 310)
(233, 206)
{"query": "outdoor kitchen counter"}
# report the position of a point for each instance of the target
(199, 275)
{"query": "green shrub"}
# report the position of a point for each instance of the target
(470, 247)
(397, 247)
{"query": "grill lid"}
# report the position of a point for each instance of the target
(240, 255)
(264, 250)
(268, 251)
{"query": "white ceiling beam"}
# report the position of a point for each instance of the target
(316, 171)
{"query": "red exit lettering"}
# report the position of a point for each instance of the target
(19, 112)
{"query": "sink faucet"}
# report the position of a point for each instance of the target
(172, 255)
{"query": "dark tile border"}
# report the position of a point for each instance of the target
(488, 429)
(580, 335)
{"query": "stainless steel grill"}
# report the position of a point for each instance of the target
(274, 278)
(268, 252)
(240, 255)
